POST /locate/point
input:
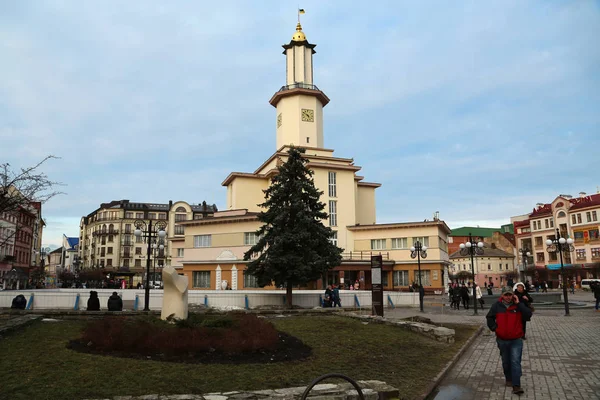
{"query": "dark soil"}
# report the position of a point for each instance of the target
(289, 348)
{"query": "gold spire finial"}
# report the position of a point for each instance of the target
(299, 36)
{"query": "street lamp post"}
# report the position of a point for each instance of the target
(157, 247)
(560, 245)
(525, 253)
(417, 251)
(149, 233)
(471, 248)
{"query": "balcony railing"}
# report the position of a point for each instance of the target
(103, 233)
(363, 255)
(299, 85)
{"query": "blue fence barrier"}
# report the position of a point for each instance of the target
(30, 303)
(136, 303)
(356, 302)
(391, 303)
(76, 306)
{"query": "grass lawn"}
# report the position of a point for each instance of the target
(35, 363)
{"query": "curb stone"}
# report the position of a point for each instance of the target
(438, 379)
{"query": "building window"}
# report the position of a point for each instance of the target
(138, 250)
(179, 229)
(580, 253)
(551, 223)
(539, 224)
(202, 240)
(539, 241)
(579, 218)
(180, 209)
(162, 216)
(334, 238)
(594, 216)
(500, 265)
(332, 213)
(250, 238)
(424, 278)
(201, 279)
(546, 223)
(401, 278)
(126, 263)
(400, 243)
(138, 263)
(332, 184)
(377, 244)
(593, 233)
(180, 217)
(109, 262)
(127, 228)
(596, 252)
(151, 215)
(139, 215)
(250, 281)
(180, 252)
(128, 214)
(489, 267)
(109, 250)
(540, 257)
(423, 240)
(578, 236)
(573, 219)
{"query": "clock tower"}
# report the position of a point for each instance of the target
(299, 103)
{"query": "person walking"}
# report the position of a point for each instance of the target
(335, 296)
(596, 289)
(464, 295)
(505, 318)
(479, 295)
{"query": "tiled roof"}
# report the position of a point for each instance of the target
(546, 209)
(586, 201)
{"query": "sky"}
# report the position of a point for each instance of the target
(478, 110)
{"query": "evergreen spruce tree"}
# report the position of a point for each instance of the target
(294, 245)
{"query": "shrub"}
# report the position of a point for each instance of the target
(229, 334)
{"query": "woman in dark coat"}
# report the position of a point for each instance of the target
(525, 298)
(93, 302)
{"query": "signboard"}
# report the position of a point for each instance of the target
(557, 266)
(376, 285)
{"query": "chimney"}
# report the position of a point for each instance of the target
(566, 196)
(582, 194)
(539, 205)
(170, 204)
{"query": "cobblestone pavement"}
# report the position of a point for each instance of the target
(561, 357)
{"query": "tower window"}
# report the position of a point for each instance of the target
(332, 184)
(307, 139)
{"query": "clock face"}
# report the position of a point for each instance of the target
(308, 115)
(279, 120)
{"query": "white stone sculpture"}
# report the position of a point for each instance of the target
(175, 296)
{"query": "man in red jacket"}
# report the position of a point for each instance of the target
(506, 318)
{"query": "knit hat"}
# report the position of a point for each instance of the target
(507, 289)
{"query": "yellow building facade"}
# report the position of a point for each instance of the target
(210, 251)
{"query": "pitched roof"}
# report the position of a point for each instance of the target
(584, 202)
(474, 231)
(487, 252)
(72, 241)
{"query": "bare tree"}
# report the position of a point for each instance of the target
(19, 188)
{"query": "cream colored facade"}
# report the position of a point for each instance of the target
(212, 249)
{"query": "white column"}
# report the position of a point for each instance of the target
(234, 278)
(218, 278)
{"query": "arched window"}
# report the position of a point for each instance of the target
(561, 214)
(111, 228)
(181, 209)
(104, 228)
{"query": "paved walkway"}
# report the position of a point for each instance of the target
(561, 358)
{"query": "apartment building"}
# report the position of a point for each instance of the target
(574, 217)
(106, 238)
